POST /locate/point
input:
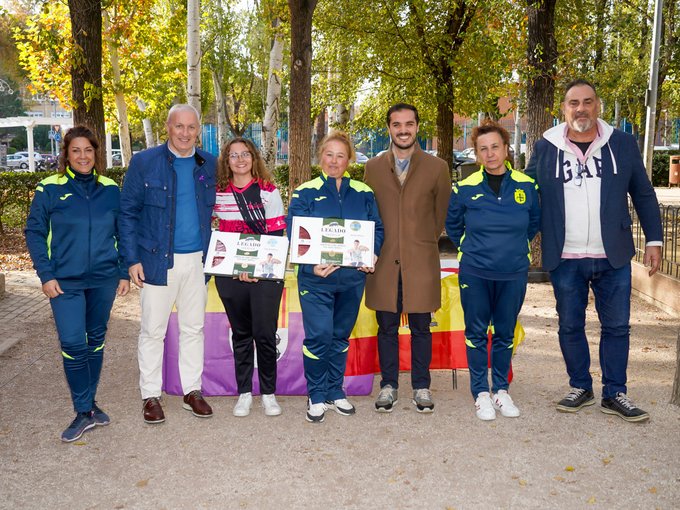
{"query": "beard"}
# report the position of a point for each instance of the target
(404, 146)
(582, 124)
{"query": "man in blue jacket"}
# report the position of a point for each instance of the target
(166, 208)
(585, 171)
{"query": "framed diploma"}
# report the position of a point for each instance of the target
(261, 256)
(332, 241)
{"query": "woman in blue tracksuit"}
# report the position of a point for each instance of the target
(330, 295)
(493, 216)
(72, 234)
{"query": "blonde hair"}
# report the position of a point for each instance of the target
(338, 136)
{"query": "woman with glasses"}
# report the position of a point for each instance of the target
(493, 216)
(72, 235)
(248, 202)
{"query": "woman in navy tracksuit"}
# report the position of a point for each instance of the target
(493, 216)
(72, 236)
(330, 295)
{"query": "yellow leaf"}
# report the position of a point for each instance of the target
(522, 483)
(142, 483)
(569, 468)
(652, 490)
(591, 500)
(606, 461)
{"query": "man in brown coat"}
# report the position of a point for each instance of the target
(412, 189)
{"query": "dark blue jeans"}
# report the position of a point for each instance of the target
(388, 346)
(611, 287)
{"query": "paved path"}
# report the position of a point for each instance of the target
(22, 303)
(403, 460)
(668, 196)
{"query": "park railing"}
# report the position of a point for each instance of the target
(670, 254)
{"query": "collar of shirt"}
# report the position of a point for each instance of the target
(193, 151)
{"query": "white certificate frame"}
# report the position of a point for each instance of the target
(260, 256)
(342, 242)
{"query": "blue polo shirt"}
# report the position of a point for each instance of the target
(187, 230)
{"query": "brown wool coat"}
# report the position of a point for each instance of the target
(413, 216)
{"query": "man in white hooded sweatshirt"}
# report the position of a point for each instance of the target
(586, 170)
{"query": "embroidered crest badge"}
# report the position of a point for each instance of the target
(520, 196)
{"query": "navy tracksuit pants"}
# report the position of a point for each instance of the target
(329, 312)
(490, 302)
(81, 317)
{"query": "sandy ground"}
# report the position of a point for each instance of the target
(447, 460)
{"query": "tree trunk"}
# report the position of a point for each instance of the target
(675, 397)
(270, 126)
(194, 54)
(542, 57)
(445, 127)
(319, 133)
(121, 105)
(341, 117)
(221, 106)
(300, 122)
(86, 73)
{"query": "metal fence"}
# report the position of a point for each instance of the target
(670, 255)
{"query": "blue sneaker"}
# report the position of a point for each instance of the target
(100, 417)
(81, 423)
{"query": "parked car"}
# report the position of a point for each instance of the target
(17, 161)
(361, 158)
(36, 155)
(468, 153)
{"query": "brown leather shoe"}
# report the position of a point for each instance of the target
(153, 412)
(195, 403)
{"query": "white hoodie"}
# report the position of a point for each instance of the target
(582, 177)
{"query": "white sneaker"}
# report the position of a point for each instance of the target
(242, 407)
(505, 405)
(271, 406)
(315, 412)
(485, 410)
(341, 406)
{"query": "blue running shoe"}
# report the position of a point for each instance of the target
(81, 423)
(100, 417)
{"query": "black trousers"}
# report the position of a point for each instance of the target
(253, 311)
(388, 346)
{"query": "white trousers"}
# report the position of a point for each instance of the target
(187, 291)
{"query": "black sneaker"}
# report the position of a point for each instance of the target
(624, 408)
(575, 400)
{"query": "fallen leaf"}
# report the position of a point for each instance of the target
(522, 483)
(142, 483)
(652, 490)
(606, 461)
(591, 500)
(559, 478)
(80, 443)
(569, 468)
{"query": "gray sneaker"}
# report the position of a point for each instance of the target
(422, 399)
(387, 397)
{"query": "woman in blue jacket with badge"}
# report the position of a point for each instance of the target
(330, 295)
(72, 236)
(493, 216)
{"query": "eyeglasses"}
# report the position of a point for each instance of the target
(580, 168)
(240, 155)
